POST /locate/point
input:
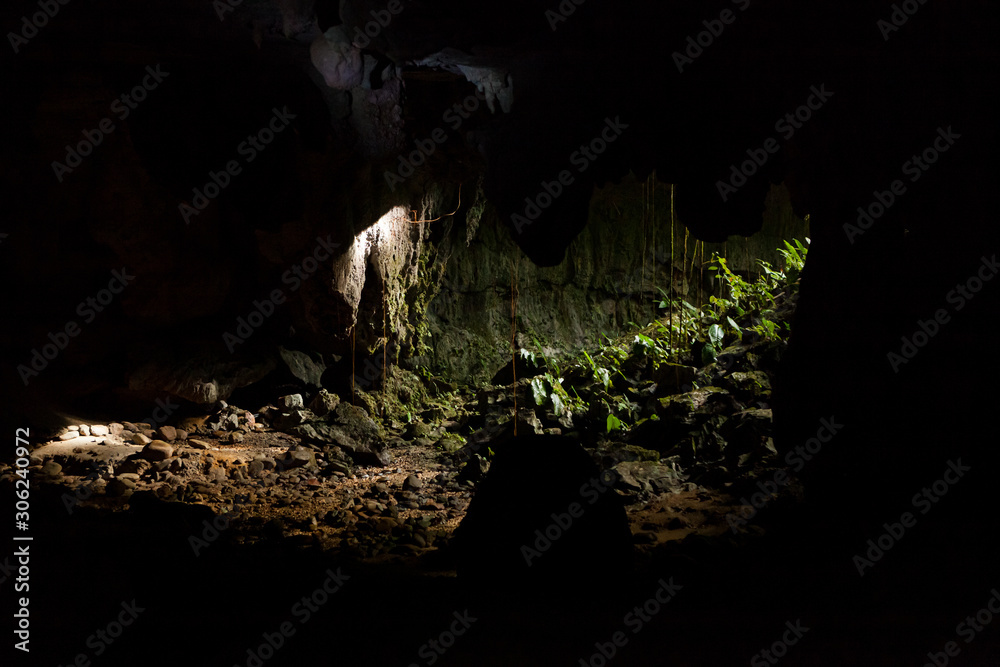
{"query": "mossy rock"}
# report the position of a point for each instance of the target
(451, 442)
(750, 384)
(684, 405)
(642, 454)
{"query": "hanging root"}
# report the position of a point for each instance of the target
(417, 222)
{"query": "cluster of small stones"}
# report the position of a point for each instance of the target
(315, 496)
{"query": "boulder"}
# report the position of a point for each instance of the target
(305, 367)
(324, 403)
(563, 527)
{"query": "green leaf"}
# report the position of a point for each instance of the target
(707, 355)
(604, 377)
(558, 405)
(715, 335)
(614, 424)
(645, 340)
(733, 324)
(539, 391)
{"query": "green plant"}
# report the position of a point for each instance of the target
(614, 424)
(795, 259)
(547, 388)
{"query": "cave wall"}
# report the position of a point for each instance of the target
(608, 279)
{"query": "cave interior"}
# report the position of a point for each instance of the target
(533, 332)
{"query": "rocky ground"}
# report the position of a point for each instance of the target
(219, 522)
(318, 470)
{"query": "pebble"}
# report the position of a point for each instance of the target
(69, 435)
(198, 444)
(117, 488)
(385, 524)
(167, 432)
(157, 450)
(412, 483)
(99, 429)
(291, 401)
(51, 469)
(141, 439)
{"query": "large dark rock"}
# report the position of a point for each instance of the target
(510, 535)
(350, 428)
